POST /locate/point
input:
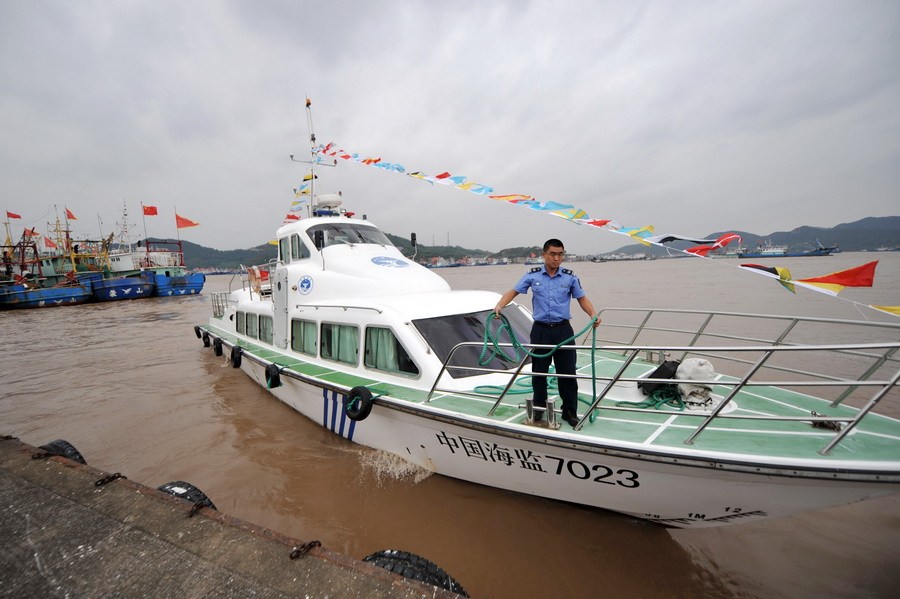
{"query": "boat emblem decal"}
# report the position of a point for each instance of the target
(305, 285)
(388, 261)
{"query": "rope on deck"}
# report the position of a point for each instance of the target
(490, 349)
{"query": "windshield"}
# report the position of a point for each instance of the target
(444, 332)
(345, 232)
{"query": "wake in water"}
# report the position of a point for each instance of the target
(387, 466)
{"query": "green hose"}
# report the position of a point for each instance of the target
(491, 349)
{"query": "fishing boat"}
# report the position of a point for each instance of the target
(782, 251)
(122, 288)
(378, 349)
(23, 284)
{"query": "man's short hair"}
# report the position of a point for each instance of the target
(555, 243)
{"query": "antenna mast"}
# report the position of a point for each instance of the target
(313, 161)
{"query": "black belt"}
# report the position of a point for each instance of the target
(550, 325)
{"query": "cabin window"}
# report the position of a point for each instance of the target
(384, 352)
(252, 325)
(303, 336)
(340, 343)
(283, 247)
(444, 332)
(265, 329)
(239, 322)
(298, 248)
(340, 232)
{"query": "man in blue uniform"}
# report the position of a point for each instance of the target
(552, 289)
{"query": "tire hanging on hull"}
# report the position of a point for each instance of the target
(358, 403)
(273, 376)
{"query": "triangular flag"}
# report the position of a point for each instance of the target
(860, 276)
(69, 215)
(776, 272)
(12, 215)
(182, 222)
(48, 243)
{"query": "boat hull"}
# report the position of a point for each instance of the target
(167, 285)
(122, 288)
(671, 490)
(19, 297)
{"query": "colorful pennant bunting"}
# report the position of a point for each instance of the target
(831, 283)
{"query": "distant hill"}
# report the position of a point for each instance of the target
(869, 233)
(866, 234)
(198, 256)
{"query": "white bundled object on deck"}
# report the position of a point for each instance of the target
(695, 369)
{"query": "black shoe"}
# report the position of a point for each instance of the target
(572, 419)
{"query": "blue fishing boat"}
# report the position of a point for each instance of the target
(123, 288)
(22, 284)
(23, 296)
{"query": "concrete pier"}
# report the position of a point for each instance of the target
(62, 535)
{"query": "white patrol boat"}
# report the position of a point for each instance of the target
(354, 335)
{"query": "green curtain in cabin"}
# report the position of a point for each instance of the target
(381, 349)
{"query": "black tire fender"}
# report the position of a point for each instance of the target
(197, 330)
(410, 565)
(65, 449)
(273, 376)
(236, 352)
(217, 346)
(358, 403)
(186, 491)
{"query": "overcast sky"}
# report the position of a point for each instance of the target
(693, 116)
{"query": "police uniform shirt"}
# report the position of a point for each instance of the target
(550, 295)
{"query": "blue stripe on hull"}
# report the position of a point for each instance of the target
(329, 417)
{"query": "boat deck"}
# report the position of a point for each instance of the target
(750, 428)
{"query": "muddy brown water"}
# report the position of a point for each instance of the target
(135, 391)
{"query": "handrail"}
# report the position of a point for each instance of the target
(631, 352)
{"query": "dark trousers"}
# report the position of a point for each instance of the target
(563, 359)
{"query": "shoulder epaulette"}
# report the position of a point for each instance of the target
(535, 269)
(566, 271)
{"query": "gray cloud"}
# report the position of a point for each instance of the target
(692, 116)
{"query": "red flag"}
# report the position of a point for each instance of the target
(69, 215)
(48, 243)
(149, 210)
(12, 215)
(32, 233)
(182, 222)
(860, 276)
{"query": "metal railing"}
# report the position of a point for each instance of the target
(873, 357)
(219, 302)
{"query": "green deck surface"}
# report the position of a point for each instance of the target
(876, 438)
